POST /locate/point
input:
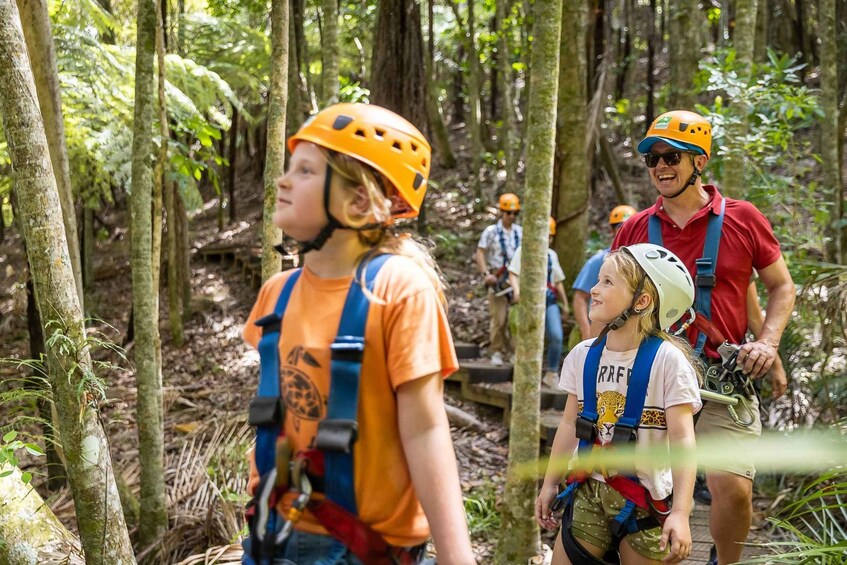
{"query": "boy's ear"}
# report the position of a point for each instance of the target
(360, 202)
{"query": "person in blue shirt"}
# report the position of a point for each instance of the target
(587, 277)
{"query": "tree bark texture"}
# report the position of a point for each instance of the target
(101, 524)
(30, 534)
(829, 129)
(652, 42)
(154, 517)
(474, 126)
(744, 38)
(232, 157)
(275, 148)
(294, 107)
(507, 104)
(571, 183)
(329, 50)
(760, 47)
(520, 493)
(685, 22)
(397, 68)
(42, 56)
(437, 124)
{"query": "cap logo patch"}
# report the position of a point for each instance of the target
(663, 122)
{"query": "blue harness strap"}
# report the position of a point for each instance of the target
(338, 431)
(706, 265)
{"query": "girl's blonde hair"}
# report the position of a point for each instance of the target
(381, 239)
(647, 320)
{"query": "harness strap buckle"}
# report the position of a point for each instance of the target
(623, 434)
(265, 411)
(347, 348)
(337, 435)
(586, 428)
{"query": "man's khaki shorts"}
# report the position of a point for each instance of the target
(595, 505)
(715, 420)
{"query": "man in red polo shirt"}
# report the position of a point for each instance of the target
(676, 149)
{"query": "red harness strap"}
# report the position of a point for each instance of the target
(708, 328)
(640, 496)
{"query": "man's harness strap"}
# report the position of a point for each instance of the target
(337, 432)
(636, 495)
(707, 265)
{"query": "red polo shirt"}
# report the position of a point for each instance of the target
(747, 243)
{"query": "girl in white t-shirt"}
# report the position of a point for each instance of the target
(643, 289)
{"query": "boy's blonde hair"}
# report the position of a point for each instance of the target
(381, 193)
(647, 320)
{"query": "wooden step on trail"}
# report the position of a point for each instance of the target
(246, 258)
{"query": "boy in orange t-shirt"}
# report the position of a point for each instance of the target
(354, 168)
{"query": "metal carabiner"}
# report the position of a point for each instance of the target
(744, 403)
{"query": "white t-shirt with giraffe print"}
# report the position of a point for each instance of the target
(672, 382)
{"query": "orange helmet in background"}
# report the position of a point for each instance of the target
(377, 137)
(552, 225)
(621, 213)
(681, 129)
(509, 202)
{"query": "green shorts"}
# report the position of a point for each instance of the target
(595, 505)
(715, 419)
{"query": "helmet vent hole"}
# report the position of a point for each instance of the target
(379, 133)
(414, 147)
(418, 181)
(396, 145)
(360, 133)
(683, 126)
(423, 162)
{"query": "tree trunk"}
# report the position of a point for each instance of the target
(154, 517)
(42, 56)
(233, 158)
(474, 86)
(652, 42)
(294, 109)
(30, 533)
(183, 253)
(275, 153)
(760, 48)
(519, 531)
(571, 192)
(626, 49)
(303, 61)
(829, 129)
(433, 106)
(685, 21)
(329, 51)
(507, 104)
(744, 38)
(87, 255)
(397, 68)
(101, 523)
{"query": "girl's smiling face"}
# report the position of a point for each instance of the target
(610, 296)
(299, 193)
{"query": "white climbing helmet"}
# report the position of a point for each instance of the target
(671, 278)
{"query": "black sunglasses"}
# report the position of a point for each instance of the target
(512, 212)
(671, 158)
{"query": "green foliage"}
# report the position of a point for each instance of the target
(352, 91)
(779, 156)
(481, 511)
(812, 529)
(10, 444)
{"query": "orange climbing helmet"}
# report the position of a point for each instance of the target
(380, 138)
(552, 225)
(509, 202)
(621, 213)
(683, 130)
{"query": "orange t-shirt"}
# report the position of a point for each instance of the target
(406, 338)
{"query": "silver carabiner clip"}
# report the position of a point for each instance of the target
(745, 406)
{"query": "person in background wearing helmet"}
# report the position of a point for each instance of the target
(689, 218)
(556, 309)
(642, 291)
(587, 276)
(496, 247)
(354, 169)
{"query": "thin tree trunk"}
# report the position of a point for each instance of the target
(626, 49)
(101, 524)
(474, 126)
(42, 55)
(180, 34)
(760, 48)
(519, 493)
(183, 253)
(433, 106)
(744, 38)
(303, 61)
(652, 42)
(233, 157)
(154, 517)
(507, 104)
(275, 153)
(329, 50)
(295, 107)
(685, 21)
(829, 129)
(87, 255)
(572, 188)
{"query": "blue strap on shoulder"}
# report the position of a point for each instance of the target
(268, 398)
(636, 390)
(705, 278)
(589, 385)
(338, 431)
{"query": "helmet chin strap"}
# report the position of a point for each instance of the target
(621, 320)
(317, 242)
(691, 180)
